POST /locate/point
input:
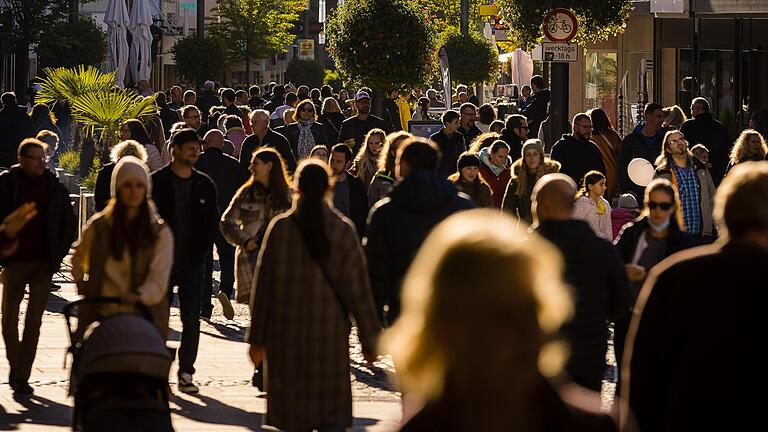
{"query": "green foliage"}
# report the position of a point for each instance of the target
(473, 60)
(333, 79)
(382, 43)
(445, 14)
(32, 18)
(253, 29)
(598, 19)
(69, 161)
(89, 181)
(67, 45)
(95, 103)
(307, 72)
(199, 59)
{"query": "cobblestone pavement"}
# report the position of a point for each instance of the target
(227, 401)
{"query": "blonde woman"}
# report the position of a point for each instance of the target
(749, 146)
(477, 362)
(331, 117)
(675, 117)
(364, 166)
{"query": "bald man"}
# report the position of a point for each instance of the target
(228, 175)
(594, 269)
(263, 135)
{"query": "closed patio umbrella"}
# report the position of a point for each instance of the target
(116, 19)
(141, 42)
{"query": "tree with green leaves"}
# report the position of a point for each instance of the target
(28, 21)
(68, 44)
(382, 43)
(255, 29)
(199, 59)
(598, 19)
(445, 14)
(473, 59)
(307, 72)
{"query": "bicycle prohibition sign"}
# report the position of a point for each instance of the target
(560, 25)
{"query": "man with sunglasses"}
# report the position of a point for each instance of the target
(467, 127)
(34, 253)
(576, 153)
(515, 133)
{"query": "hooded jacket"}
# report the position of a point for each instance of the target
(398, 225)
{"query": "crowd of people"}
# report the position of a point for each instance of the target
(321, 212)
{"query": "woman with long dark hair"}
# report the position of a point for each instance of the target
(245, 221)
(133, 129)
(126, 250)
(609, 142)
(591, 207)
(311, 276)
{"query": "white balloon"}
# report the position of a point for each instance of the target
(640, 171)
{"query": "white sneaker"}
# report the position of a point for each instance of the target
(186, 385)
(226, 305)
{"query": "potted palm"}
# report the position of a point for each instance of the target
(69, 163)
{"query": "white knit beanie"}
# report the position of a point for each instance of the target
(127, 168)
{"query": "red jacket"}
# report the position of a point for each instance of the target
(498, 183)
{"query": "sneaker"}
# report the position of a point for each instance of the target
(21, 387)
(186, 385)
(226, 305)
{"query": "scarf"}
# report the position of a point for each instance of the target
(306, 139)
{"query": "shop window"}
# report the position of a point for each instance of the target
(601, 82)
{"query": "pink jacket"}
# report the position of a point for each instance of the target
(619, 218)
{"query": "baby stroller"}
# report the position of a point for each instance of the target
(119, 376)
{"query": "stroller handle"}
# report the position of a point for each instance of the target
(69, 307)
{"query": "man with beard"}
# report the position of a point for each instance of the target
(186, 200)
(515, 133)
(576, 153)
(467, 127)
(193, 120)
(353, 129)
(349, 195)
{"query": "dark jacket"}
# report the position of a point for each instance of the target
(391, 116)
(168, 117)
(205, 101)
(203, 209)
(629, 236)
(271, 139)
(233, 109)
(293, 130)
(514, 142)
(59, 217)
(397, 226)
(332, 122)
(358, 203)
(102, 192)
(450, 148)
(637, 145)
(225, 171)
(15, 125)
(601, 295)
(696, 330)
(452, 412)
(577, 157)
(520, 205)
(471, 134)
(536, 111)
(356, 128)
(705, 129)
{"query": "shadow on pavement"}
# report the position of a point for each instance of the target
(375, 377)
(211, 411)
(55, 303)
(227, 331)
(38, 410)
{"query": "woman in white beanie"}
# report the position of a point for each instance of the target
(126, 250)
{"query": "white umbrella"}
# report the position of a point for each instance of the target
(116, 19)
(141, 42)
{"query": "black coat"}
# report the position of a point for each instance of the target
(205, 101)
(601, 294)
(225, 171)
(637, 145)
(59, 217)
(451, 148)
(398, 225)
(356, 128)
(514, 142)
(168, 117)
(272, 139)
(203, 209)
(704, 129)
(695, 334)
(15, 125)
(536, 111)
(630, 234)
(332, 122)
(577, 157)
(293, 130)
(471, 134)
(391, 116)
(102, 192)
(358, 203)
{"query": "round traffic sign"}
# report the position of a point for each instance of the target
(560, 25)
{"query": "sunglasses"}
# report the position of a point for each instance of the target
(523, 127)
(664, 206)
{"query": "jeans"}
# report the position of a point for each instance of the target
(190, 283)
(14, 277)
(227, 265)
